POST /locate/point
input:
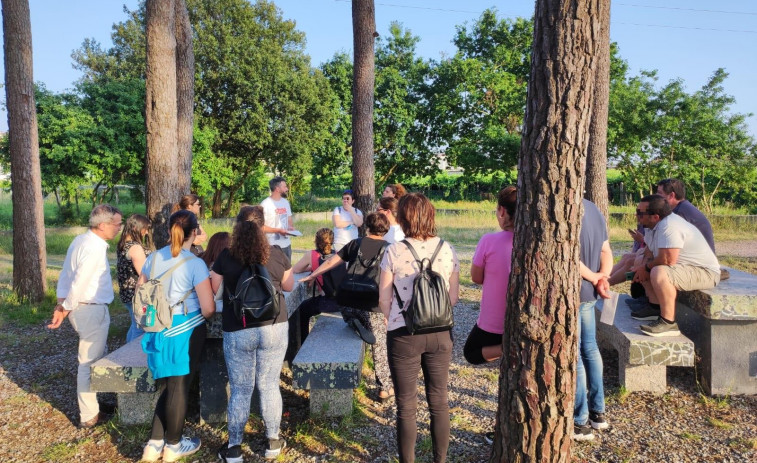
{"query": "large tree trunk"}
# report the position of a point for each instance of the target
(185, 80)
(163, 185)
(29, 255)
(596, 159)
(364, 33)
(537, 373)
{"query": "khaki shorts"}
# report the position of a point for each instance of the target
(689, 277)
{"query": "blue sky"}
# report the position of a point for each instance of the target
(686, 39)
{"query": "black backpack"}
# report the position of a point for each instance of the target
(360, 289)
(429, 309)
(256, 299)
(331, 279)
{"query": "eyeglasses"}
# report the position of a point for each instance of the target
(119, 224)
(640, 213)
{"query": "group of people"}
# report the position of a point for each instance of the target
(675, 252)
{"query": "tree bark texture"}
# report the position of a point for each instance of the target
(537, 373)
(364, 34)
(163, 184)
(185, 79)
(596, 160)
(29, 254)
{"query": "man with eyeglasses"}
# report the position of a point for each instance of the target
(677, 258)
(84, 291)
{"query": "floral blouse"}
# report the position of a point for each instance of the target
(127, 274)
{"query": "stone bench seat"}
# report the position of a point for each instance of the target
(722, 322)
(124, 371)
(642, 359)
(329, 364)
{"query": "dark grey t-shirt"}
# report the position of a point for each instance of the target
(593, 235)
(694, 216)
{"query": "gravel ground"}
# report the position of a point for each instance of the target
(38, 414)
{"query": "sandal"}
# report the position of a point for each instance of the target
(385, 396)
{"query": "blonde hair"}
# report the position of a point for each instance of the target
(181, 224)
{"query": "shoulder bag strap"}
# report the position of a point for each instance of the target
(436, 251)
(168, 272)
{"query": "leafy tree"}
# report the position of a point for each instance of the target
(400, 149)
(477, 98)
(334, 157)
(115, 139)
(667, 132)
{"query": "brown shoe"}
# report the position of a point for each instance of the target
(100, 418)
(724, 274)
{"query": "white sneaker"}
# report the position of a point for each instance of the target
(153, 450)
(186, 446)
(274, 448)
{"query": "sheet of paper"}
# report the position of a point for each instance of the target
(608, 309)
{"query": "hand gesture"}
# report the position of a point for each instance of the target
(59, 314)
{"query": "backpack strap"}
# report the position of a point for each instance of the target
(168, 273)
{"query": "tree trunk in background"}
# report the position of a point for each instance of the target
(364, 33)
(537, 373)
(29, 254)
(596, 159)
(163, 184)
(185, 80)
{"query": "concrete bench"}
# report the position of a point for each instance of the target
(722, 322)
(642, 359)
(329, 364)
(124, 371)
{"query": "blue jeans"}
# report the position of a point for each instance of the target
(254, 357)
(134, 331)
(588, 367)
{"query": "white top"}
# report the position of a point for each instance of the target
(277, 215)
(183, 279)
(394, 235)
(674, 232)
(345, 235)
(85, 278)
(400, 262)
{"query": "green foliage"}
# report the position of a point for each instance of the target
(659, 133)
(477, 98)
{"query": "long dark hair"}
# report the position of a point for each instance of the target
(133, 229)
(217, 243)
(180, 226)
(249, 244)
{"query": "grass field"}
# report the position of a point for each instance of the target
(463, 228)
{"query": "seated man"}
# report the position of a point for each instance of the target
(677, 258)
(674, 193)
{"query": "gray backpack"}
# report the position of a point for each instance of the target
(150, 306)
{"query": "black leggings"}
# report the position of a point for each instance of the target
(408, 354)
(171, 409)
(477, 340)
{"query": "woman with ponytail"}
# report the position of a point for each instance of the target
(173, 354)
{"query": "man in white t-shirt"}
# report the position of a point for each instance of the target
(677, 258)
(278, 216)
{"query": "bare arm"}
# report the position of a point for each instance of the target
(338, 222)
(201, 237)
(302, 265)
(280, 231)
(138, 258)
(323, 268)
(454, 287)
(215, 281)
(287, 281)
(385, 292)
(477, 274)
(205, 296)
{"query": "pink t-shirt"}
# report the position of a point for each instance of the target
(493, 254)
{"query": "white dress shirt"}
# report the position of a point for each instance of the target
(85, 278)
